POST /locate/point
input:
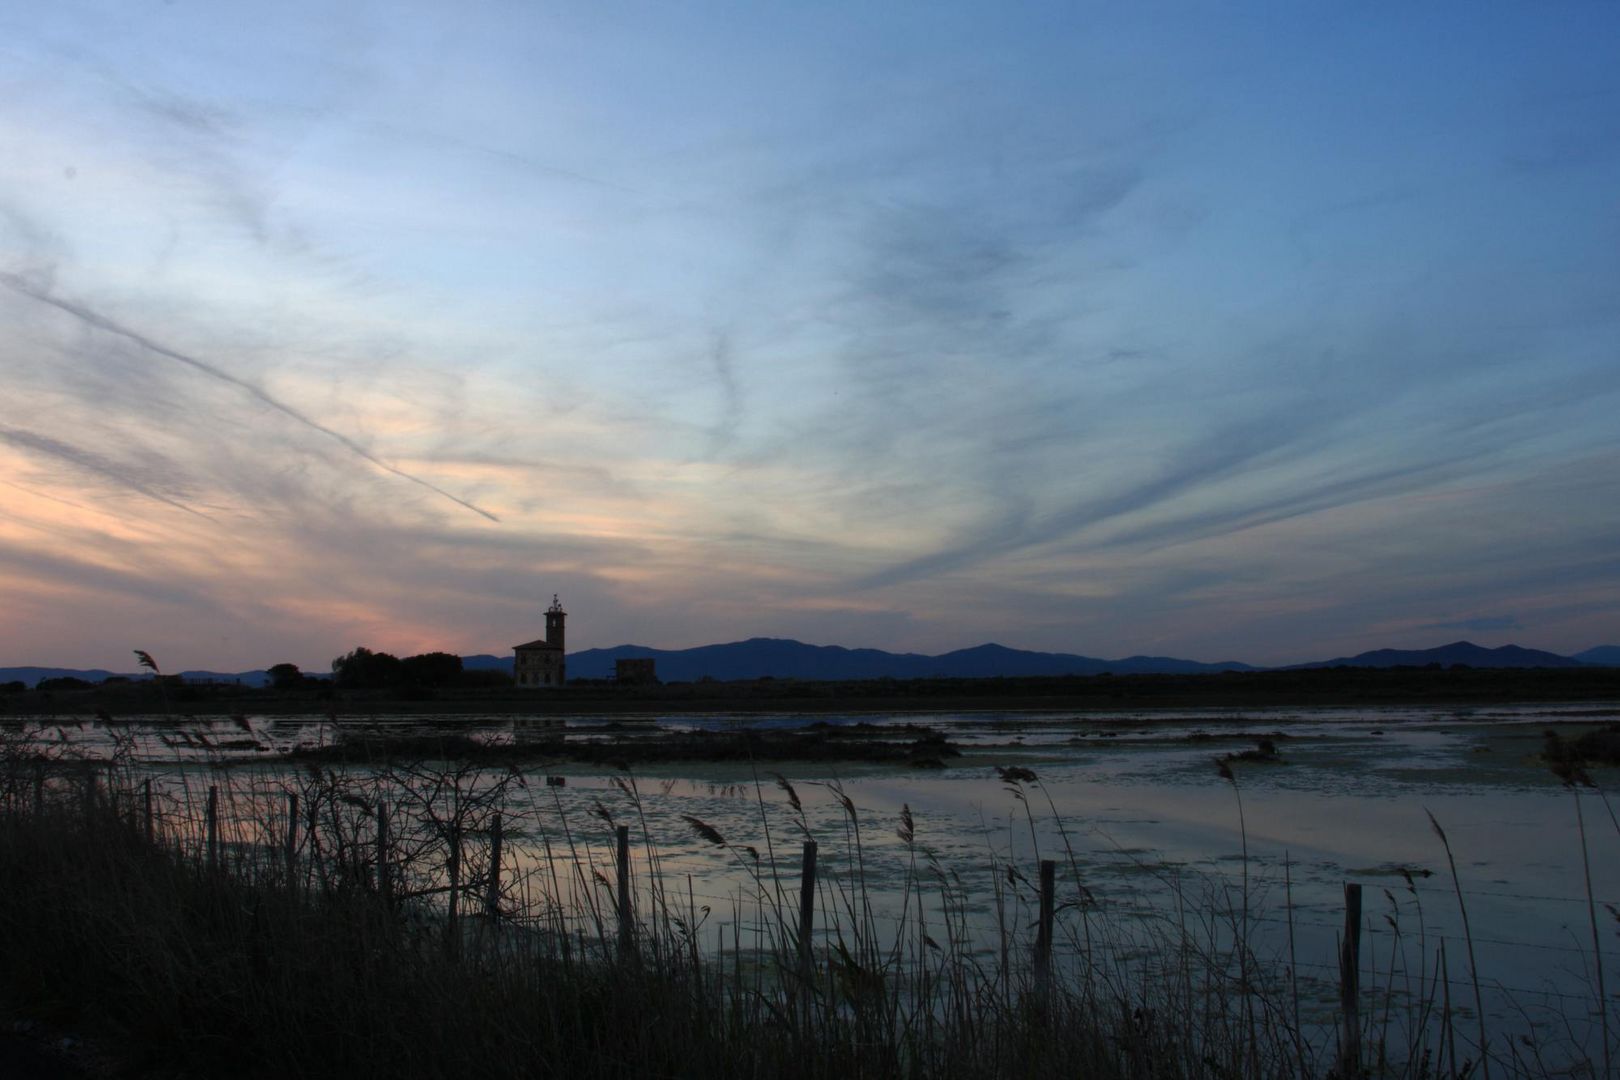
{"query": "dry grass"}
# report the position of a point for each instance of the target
(294, 936)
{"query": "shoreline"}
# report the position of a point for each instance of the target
(1310, 688)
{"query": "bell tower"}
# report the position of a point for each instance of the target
(554, 622)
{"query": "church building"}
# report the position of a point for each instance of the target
(541, 663)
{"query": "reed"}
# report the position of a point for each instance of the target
(1468, 938)
(316, 950)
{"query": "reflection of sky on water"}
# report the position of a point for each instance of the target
(1145, 818)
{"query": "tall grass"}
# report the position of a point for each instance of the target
(355, 923)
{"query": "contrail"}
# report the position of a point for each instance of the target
(19, 285)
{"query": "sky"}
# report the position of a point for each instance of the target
(1260, 331)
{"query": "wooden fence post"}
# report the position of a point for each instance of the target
(89, 791)
(292, 840)
(39, 790)
(1043, 935)
(492, 899)
(807, 916)
(385, 880)
(213, 826)
(146, 808)
(627, 919)
(1350, 983)
(807, 903)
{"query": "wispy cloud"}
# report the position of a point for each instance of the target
(95, 320)
(148, 478)
(1482, 622)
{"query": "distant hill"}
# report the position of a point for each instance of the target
(786, 659)
(486, 662)
(32, 675)
(1458, 652)
(1603, 656)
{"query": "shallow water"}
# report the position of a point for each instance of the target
(1131, 806)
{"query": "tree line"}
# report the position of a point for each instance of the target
(359, 669)
(363, 669)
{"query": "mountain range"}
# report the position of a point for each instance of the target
(786, 659)
(1466, 652)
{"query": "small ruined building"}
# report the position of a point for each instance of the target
(637, 671)
(541, 663)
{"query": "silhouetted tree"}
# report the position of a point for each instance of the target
(363, 669)
(430, 669)
(63, 682)
(286, 676)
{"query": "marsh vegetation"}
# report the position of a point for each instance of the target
(422, 913)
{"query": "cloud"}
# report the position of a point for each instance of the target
(1483, 622)
(724, 431)
(85, 581)
(1211, 458)
(95, 320)
(147, 478)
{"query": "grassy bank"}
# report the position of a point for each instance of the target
(226, 967)
(216, 973)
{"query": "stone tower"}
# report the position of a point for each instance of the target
(554, 622)
(543, 663)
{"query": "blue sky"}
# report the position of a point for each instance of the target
(1259, 331)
